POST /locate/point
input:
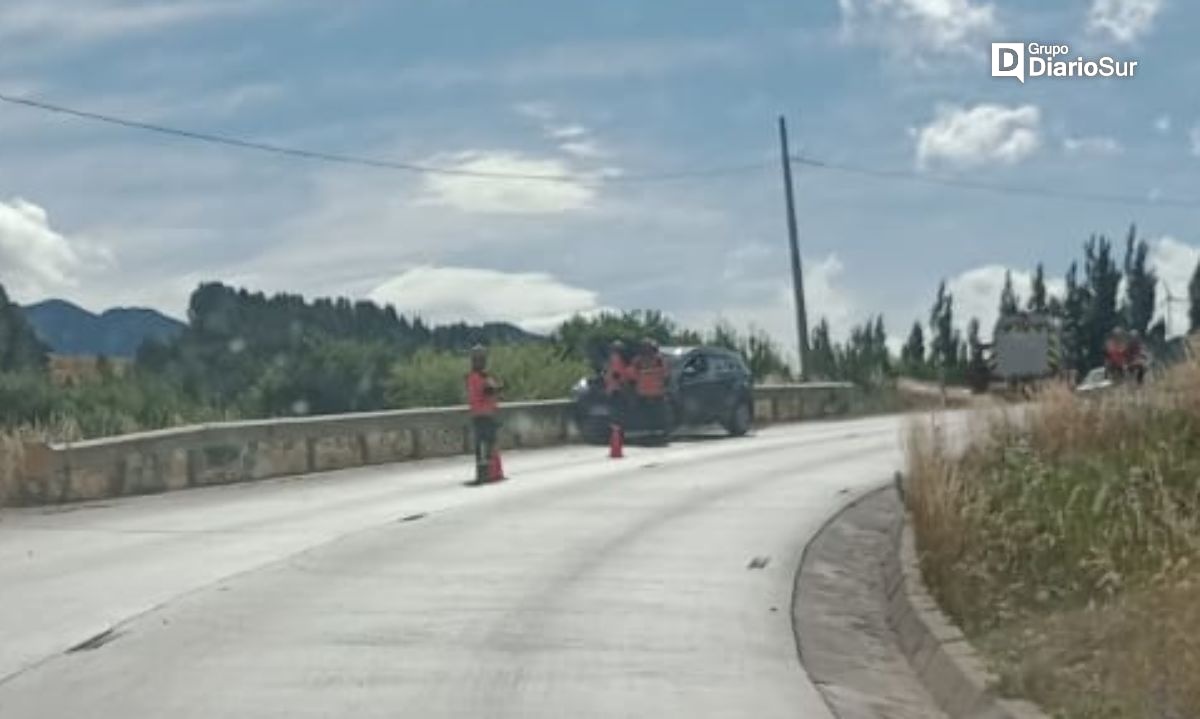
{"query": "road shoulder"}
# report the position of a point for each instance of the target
(840, 617)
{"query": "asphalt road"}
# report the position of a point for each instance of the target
(658, 585)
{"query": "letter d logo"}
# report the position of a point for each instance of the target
(1008, 60)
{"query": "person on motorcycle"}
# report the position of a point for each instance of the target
(1115, 354)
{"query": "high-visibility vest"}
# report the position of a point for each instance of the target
(481, 394)
(651, 375)
(616, 374)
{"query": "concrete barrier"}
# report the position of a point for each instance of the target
(229, 452)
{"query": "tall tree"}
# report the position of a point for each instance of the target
(974, 344)
(1194, 300)
(1140, 284)
(879, 344)
(1103, 284)
(912, 355)
(1037, 293)
(944, 344)
(1010, 304)
(1074, 309)
(822, 354)
(20, 349)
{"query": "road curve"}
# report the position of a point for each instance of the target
(658, 585)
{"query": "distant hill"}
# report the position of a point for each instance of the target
(71, 330)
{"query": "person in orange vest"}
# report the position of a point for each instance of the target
(650, 370)
(483, 393)
(1115, 354)
(617, 376)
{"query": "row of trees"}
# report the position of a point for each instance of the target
(247, 354)
(1101, 294)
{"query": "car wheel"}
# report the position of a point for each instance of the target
(739, 422)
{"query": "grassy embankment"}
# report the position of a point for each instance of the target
(1067, 546)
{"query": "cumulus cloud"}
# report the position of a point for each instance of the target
(771, 307)
(918, 26)
(531, 196)
(1174, 261)
(965, 137)
(1092, 146)
(1162, 124)
(977, 293)
(35, 259)
(535, 301)
(1123, 20)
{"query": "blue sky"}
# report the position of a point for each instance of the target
(107, 216)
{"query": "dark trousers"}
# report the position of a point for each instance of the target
(654, 412)
(484, 429)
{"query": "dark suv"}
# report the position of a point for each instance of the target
(705, 385)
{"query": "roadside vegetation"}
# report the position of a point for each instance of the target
(1067, 546)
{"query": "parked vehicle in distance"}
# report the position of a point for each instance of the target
(1095, 381)
(1025, 348)
(705, 386)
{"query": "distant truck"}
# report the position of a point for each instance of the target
(1025, 349)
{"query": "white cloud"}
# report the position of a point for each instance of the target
(506, 195)
(961, 137)
(1163, 124)
(1123, 20)
(1092, 146)
(1194, 138)
(568, 132)
(977, 293)
(534, 301)
(67, 22)
(749, 302)
(917, 26)
(572, 139)
(583, 149)
(35, 259)
(1174, 262)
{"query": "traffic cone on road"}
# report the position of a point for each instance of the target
(495, 469)
(616, 443)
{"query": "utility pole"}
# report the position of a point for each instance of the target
(797, 271)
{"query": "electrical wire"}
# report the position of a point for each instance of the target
(377, 163)
(1013, 190)
(699, 173)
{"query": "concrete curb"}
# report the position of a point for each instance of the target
(944, 661)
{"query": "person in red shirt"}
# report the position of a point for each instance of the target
(650, 372)
(483, 391)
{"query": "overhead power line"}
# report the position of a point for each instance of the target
(999, 189)
(402, 166)
(595, 178)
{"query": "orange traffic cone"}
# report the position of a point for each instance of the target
(616, 443)
(495, 469)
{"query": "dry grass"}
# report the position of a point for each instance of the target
(1066, 542)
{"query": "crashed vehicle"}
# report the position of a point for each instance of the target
(705, 386)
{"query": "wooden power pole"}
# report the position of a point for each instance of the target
(797, 270)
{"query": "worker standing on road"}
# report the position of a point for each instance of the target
(650, 370)
(1135, 357)
(617, 377)
(483, 393)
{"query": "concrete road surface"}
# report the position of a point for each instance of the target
(654, 586)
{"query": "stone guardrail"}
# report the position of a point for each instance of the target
(229, 452)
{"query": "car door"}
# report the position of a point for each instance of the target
(698, 388)
(727, 380)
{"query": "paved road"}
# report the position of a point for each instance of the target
(583, 587)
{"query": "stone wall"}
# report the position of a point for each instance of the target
(230, 452)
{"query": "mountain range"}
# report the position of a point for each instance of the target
(71, 330)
